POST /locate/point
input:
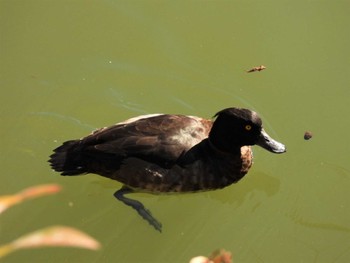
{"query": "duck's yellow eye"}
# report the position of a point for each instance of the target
(248, 127)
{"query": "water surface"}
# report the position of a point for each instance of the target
(68, 67)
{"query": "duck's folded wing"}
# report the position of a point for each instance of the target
(161, 138)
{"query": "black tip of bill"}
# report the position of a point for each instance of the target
(266, 142)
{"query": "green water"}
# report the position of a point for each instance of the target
(68, 67)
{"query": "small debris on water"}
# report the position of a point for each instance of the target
(259, 68)
(307, 135)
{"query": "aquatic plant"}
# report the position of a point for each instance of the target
(53, 236)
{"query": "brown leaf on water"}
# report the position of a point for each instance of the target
(258, 68)
(40, 190)
(218, 256)
(6, 201)
(221, 256)
(56, 236)
(200, 259)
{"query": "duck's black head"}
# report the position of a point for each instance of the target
(236, 127)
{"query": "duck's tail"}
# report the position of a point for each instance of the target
(67, 159)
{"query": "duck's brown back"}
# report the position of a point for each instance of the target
(158, 139)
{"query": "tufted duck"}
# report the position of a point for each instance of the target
(168, 153)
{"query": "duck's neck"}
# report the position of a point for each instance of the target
(217, 146)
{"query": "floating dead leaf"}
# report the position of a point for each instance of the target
(200, 259)
(40, 190)
(7, 201)
(218, 256)
(307, 135)
(55, 236)
(259, 68)
(221, 256)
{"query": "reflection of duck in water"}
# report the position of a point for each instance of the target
(168, 153)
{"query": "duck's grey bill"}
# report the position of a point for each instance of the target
(266, 142)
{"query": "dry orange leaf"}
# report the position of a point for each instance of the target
(40, 190)
(221, 256)
(55, 236)
(6, 201)
(218, 256)
(258, 68)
